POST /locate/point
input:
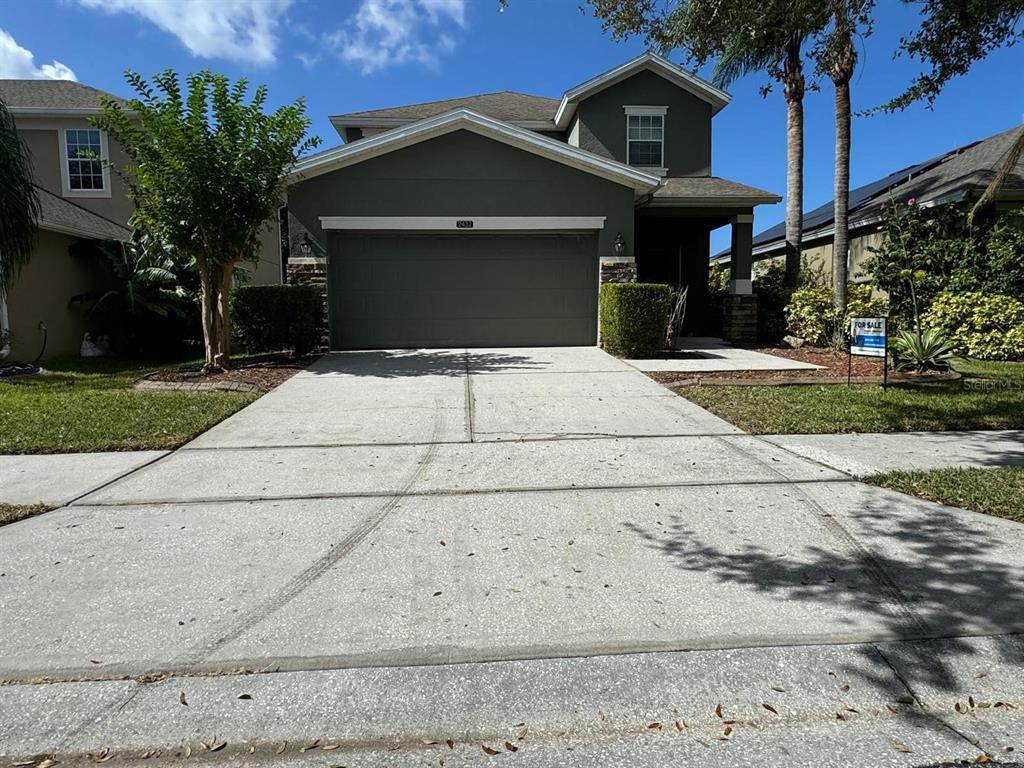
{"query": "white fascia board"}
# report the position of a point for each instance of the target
(465, 119)
(451, 223)
(702, 89)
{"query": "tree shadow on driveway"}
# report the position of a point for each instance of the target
(393, 364)
(918, 570)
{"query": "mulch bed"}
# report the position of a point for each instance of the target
(250, 375)
(834, 369)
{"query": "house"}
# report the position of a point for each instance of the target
(491, 220)
(80, 198)
(957, 176)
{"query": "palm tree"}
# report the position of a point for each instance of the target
(1002, 172)
(837, 57)
(19, 202)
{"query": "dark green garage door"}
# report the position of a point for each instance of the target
(392, 290)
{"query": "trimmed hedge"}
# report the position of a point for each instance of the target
(987, 327)
(634, 318)
(270, 318)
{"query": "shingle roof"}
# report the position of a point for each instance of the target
(703, 188)
(51, 94)
(60, 215)
(509, 106)
(961, 172)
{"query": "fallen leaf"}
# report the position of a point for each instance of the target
(308, 747)
(654, 726)
(770, 708)
(182, 699)
(905, 698)
(981, 759)
(147, 754)
(48, 763)
(511, 747)
(680, 724)
(217, 746)
(329, 747)
(251, 749)
(450, 743)
(23, 763)
(428, 742)
(280, 747)
(188, 750)
(901, 747)
(443, 544)
(970, 700)
(959, 707)
(488, 750)
(246, 697)
(100, 756)
(778, 689)
(437, 594)
(728, 730)
(718, 710)
(844, 688)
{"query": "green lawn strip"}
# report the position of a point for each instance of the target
(998, 492)
(12, 513)
(88, 405)
(989, 369)
(815, 409)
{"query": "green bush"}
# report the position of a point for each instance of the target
(772, 297)
(634, 318)
(988, 327)
(812, 317)
(270, 318)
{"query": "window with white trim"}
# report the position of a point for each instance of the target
(83, 155)
(645, 136)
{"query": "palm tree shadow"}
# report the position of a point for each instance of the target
(931, 575)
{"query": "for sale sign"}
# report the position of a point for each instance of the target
(867, 336)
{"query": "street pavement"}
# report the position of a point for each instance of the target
(395, 548)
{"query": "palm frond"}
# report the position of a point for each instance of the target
(19, 201)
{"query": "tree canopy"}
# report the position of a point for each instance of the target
(19, 202)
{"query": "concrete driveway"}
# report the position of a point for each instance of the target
(393, 509)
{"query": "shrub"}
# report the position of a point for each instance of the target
(773, 296)
(923, 350)
(812, 317)
(269, 318)
(988, 327)
(634, 318)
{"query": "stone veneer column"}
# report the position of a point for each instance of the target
(618, 269)
(739, 325)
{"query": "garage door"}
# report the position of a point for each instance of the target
(392, 290)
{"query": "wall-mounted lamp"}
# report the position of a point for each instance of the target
(306, 246)
(620, 245)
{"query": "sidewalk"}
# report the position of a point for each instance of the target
(861, 455)
(56, 479)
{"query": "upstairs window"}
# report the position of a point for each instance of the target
(645, 136)
(84, 152)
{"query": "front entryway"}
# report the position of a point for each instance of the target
(401, 290)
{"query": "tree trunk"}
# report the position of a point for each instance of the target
(841, 242)
(215, 284)
(794, 93)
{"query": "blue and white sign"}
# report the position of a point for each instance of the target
(867, 336)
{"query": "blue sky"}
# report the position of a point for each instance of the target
(349, 55)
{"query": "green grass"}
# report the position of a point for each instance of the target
(89, 405)
(967, 404)
(12, 513)
(998, 492)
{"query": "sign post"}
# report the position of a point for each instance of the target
(869, 338)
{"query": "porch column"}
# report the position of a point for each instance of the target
(618, 269)
(740, 322)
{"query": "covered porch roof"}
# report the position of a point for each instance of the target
(706, 192)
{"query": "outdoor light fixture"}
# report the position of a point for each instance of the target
(620, 244)
(306, 246)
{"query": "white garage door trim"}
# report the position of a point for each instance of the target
(466, 223)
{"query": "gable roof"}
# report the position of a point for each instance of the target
(956, 175)
(685, 191)
(42, 97)
(59, 215)
(510, 106)
(650, 62)
(468, 120)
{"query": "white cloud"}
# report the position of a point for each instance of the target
(384, 33)
(240, 30)
(17, 63)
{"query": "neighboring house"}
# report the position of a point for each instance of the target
(960, 176)
(491, 220)
(80, 199)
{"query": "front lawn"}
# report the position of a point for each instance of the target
(12, 513)
(991, 396)
(86, 404)
(998, 492)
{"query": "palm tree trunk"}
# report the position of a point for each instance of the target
(841, 241)
(794, 93)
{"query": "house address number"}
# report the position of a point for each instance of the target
(464, 224)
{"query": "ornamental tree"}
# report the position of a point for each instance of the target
(206, 172)
(19, 202)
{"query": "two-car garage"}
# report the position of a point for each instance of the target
(457, 289)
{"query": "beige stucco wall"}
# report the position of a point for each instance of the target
(267, 270)
(41, 136)
(41, 293)
(818, 258)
